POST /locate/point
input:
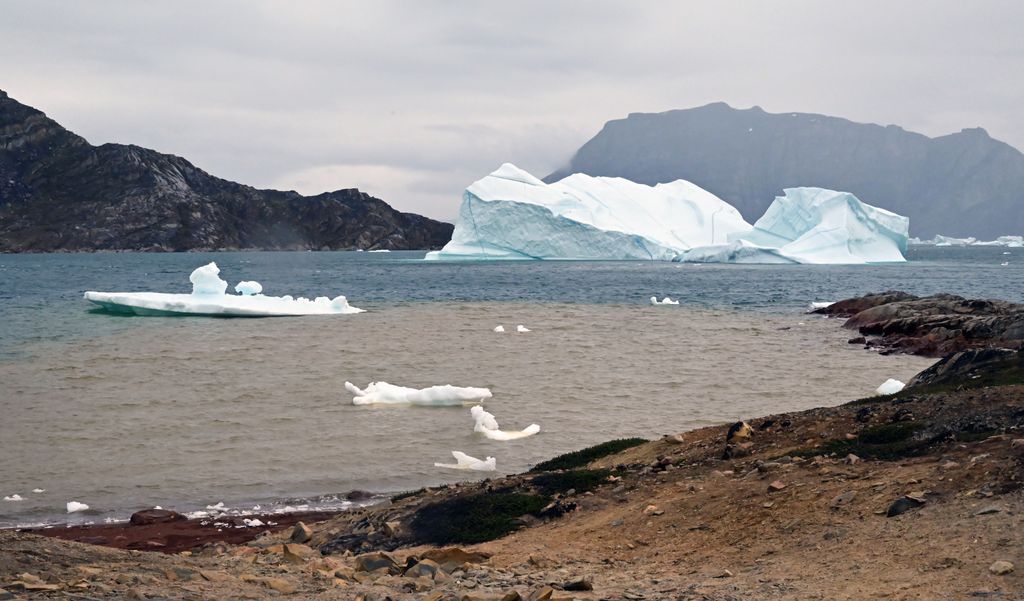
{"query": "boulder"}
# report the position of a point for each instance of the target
(154, 516)
(301, 533)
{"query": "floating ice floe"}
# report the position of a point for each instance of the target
(14, 498)
(485, 424)
(664, 301)
(465, 462)
(890, 386)
(381, 250)
(434, 396)
(510, 214)
(75, 507)
(209, 298)
(39, 491)
(499, 329)
(1004, 264)
(522, 329)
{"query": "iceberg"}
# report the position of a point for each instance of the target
(499, 329)
(484, 423)
(209, 298)
(465, 462)
(890, 386)
(382, 393)
(522, 329)
(815, 226)
(664, 301)
(511, 214)
(14, 498)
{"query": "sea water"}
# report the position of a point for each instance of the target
(123, 413)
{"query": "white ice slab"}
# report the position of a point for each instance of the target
(484, 423)
(208, 298)
(435, 396)
(465, 462)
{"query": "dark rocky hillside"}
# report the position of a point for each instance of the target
(962, 184)
(60, 193)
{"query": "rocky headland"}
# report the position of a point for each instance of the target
(916, 495)
(60, 193)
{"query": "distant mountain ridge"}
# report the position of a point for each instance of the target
(962, 184)
(58, 192)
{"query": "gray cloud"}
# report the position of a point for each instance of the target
(413, 100)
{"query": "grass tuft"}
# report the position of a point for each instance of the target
(581, 458)
(579, 480)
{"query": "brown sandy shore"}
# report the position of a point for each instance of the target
(918, 495)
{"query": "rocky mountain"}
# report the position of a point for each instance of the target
(962, 184)
(60, 193)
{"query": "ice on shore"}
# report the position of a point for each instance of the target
(499, 329)
(208, 298)
(815, 226)
(890, 386)
(511, 214)
(465, 462)
(485, 424)
(820, 304)
(522, 329)
(253, 523)
(14, 498)
(664, 301)
(75, 507)
(434, 396)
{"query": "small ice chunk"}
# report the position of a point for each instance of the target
(522, 329)
(248, 288)
(890, 386)
(75, 506)
(253, 523)
(389, 394)
(1004, 263)
(157, 507)
(218, 507)
(820, 304)
(14, 497)
(499, 329)
(465, 462)
(380, 250)
(206, 280)
(664, 301)
(488, 426)
(39, 491)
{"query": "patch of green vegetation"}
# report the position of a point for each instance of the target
(579, 480)
(581, 458)
(407, 495)
(974, 436)
(886, 442)
(474, 518)
(888, 433)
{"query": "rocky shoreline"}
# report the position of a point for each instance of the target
(917, 495)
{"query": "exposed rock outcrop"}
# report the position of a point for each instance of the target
(933, 326)
(60, 193)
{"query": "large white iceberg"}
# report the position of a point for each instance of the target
(382, 393)
(209, 298)
(815, 226)
(484, 423)
(511, 214)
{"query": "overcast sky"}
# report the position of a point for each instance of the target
(412, 101)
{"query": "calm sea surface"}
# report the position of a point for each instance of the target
(123, 413)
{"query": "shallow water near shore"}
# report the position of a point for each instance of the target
(122, 413)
